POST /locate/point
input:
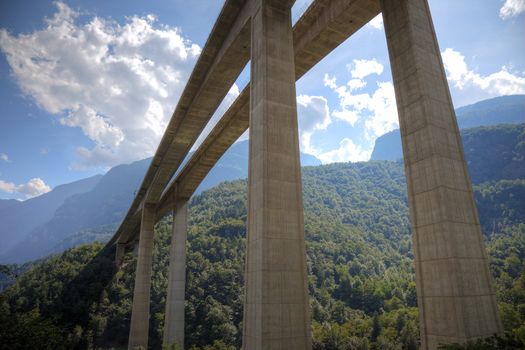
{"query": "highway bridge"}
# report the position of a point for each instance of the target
(456, 299)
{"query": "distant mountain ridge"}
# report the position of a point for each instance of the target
(94, 212)
(98, 210)
(18, 219)
(6, 203)
(499, 110)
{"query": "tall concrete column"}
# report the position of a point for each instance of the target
(456, 299)
(276, 308)
(138, 333)
(174, 318)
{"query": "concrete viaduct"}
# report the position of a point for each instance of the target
(455, 296)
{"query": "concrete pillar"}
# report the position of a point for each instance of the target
(276, 309)
(174, 318)
(119, 254)
(456, 299)
(138, 333)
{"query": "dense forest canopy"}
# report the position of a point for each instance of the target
(359, 251)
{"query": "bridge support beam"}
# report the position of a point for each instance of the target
(138, 334)
(174, 318)
(455, 295)
(276, 309)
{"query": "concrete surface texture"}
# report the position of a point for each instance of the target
(455, 296)
(138, 333)
(276, 308)
(174, 317)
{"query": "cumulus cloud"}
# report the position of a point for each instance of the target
(34, 187)
(512, 8)
(462, 77)
(7, 186)
(373, 111)
(118, 83)
(376, 22)
(362, 68)
(4, 157)
(314, 115)
(95, 126)
(347, 151)
(377, 111)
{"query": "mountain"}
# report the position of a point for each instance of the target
(360, 269)
(94, 215)
(495, 152)
(104, 205)
(20, 218)
(499, 110)
(492, 152)
(388, 147)
(32, 231)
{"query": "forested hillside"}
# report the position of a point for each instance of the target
(29, 232)
(509, 110)
(361, 277)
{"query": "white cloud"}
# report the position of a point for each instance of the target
(119, 83)
(376, 22)
(356, 84)
(382, 105)
(313, 115)
(353, 106)
(347, 151)
(499, 83)
(512, 8)
(374, 112)
(34, 187)
(360, 69)
(95, 126)
(377, 111)
(7, 187)
(4, 157)
(347, 115)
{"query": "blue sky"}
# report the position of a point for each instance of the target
(86, 85)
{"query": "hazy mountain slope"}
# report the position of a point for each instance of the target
(104, 205)
(388, 147)
(499, 110)
(6, 203)
(18, 220)
(495, 152)
(95, 214)
(503, 143)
